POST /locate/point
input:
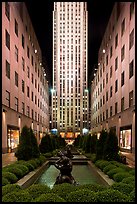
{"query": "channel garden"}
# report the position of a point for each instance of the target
(103, 153)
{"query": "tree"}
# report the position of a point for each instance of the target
(100, 144)
(46, 144)
(27, 148)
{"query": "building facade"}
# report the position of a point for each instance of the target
(113, 85)
(70, 93)
(25, 99)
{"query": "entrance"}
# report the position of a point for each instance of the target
(12, 138)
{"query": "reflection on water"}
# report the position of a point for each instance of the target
(81, 173)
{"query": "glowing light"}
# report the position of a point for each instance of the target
(104, 50)
(35, 51)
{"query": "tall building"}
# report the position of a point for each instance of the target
(25, 99)
(70, 51)
(113, 85)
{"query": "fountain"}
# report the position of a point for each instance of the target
(64, 164)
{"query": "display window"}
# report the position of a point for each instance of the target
(125, 138)
(13, 139)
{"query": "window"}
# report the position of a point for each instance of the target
(122, 53)
(116, 105)
(8, 98)
(7, 10)
(107, 96)
(32, 79)
(16, 79)
(28, 111)
(110, 71)
(131, 39)
(122, 104)
(106, 78)
(116, 63)
(28, 72)
(32, 113)
(7, 37)
(116, 41)
(103, 100)
(35, 83)
(36, 100)
(32, 60)
(23, 108)
(36, 116)
(35, 67)
(22, 40)
(110, 91)
(122, 78)
(110, 111)
(131, 9)
(7, 69)
(107, 60)
(107, 114)
(16, 27)
(32, 95)
(16, 53)
(111, 52)
(123, 27)
(27, 91)
(116, 85)
(23, 64)
(22, 86)
(28, 51)
(131, 69)
(131, 98)
(38, 87)
(16, 104)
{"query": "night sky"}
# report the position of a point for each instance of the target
(41, 17)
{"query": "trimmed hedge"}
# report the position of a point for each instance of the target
(83, 195)
(48, 154)
(35, 190)
(20, 196)
(108, 168)
(129, 180)
(63, 189)
(132, 195)
(5, 181)
(49, 197)
(132, 172)
(18, 172)
(91, 187)
(122, 187)
(24, 169)
(114, 171)
(111, 195)
(33, 163)
(9, 188)
(118, 177)
(12, 178)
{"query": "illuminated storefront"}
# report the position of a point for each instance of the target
(125, 138)
(13, 138)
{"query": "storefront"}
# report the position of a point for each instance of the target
(125, 140)
(12, 138)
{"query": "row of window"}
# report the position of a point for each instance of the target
(96, 108)
(8, 96)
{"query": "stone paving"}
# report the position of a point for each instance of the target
(8, 158)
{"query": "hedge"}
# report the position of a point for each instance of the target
(91, 187)
(5, 181)
(132, 195)
(63, 189)
(36, 190)
(111, 195)
(9, 188)
(24, 169)
(132, 172)
(49, 197)
(83, 195)
(122, 187)
(108, 168)
(120, 176)
(112, 172)
(128, 180)
(18, 172)
(20, 196)
(12, 178)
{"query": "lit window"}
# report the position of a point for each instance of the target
(131, 98)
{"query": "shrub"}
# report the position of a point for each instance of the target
(132, 172)
(114, 171)
(63, 189)
(91, 187)
(28, 165)
(103, 164)
(111, 195)
(42, 159)
(5, 181)
(100, 144)
(9, 188)
(129, 180)
(81, 196)
(108, 168)
(120, 176)
(24, 169)
(48, 154)
(132, 195)
(33, 163)
(49, 197)
(111, 148)
(10, 176)
(122, 187)
(46, 144)
(28, 147)
(98, 162)
(93, 158)
(20, 196)
(36, 190)
(18, 172)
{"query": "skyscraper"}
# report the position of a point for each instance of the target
(70, 93)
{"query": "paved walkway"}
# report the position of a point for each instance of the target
(8, 158)
(130, 158)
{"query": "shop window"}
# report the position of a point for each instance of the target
(12, 139)
(125, 138)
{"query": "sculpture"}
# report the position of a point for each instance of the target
(64, 164)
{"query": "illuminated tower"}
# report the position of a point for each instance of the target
(70, 93)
